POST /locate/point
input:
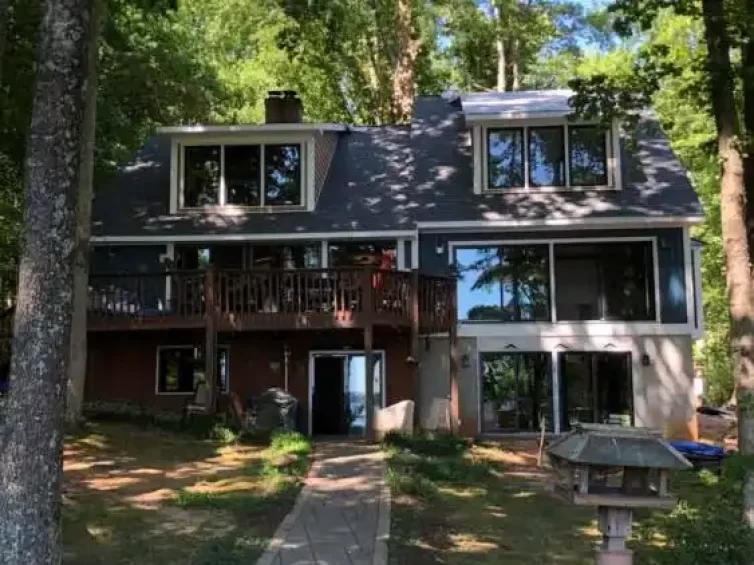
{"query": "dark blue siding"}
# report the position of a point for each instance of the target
(669, 251)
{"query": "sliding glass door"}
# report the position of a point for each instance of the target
(516, 392)
(595, 388)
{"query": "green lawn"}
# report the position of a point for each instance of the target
(137, 495)
(489, 504)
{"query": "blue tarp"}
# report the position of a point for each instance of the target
(696, 450)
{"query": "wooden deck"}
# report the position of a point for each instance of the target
(248, 300)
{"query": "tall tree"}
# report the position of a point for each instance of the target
(722, 80)
(77, 367)
(32, 438)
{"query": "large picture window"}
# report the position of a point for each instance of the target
(605, 281)
(243, 175)
(180, 368)
(550, 156)
(516, 391)
(509, 283)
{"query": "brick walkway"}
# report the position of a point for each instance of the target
(342, 516)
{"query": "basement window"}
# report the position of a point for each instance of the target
(180, 368)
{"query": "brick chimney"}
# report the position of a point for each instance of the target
(282, 107)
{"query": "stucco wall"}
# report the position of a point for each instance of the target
(434, 382)
(662, 391)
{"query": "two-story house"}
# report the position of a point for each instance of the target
(493, 260)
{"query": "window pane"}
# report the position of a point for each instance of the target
(242, 174)
(526, 282)
(479, 288)
(180, 369)
(546, 157)
(201, 176)
(285, 256)
(507, 284)
(373, 254)
(587, 159)
(611, 281)
(505, 158)
(516, 391)
(629, 281)
(283, 175)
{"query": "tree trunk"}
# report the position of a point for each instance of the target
(405, 63)
(77, 368)
(502, 64)
(747, 74)
(4, 5)
(735, 241)
(515, 74)
(32, 437)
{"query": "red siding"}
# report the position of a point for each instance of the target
(122, 365)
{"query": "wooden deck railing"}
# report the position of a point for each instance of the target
(271, 299)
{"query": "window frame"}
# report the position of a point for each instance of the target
(160, 348)
(551, 243)
(612, 157)
(305, 144)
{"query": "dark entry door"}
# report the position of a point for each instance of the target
(328, 399)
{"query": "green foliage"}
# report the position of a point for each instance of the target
(223, 434)
(707, 526)
(420, 465)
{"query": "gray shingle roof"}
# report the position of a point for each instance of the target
(390, 178)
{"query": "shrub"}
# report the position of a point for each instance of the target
(223, 434)
(708, 527)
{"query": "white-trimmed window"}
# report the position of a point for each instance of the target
(181, 367)
(246, 175)
(547, 156)
(570, 280)
(696, 273)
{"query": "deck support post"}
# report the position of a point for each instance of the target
(454, 364)
(210, 340)
(414, 346)
(368, 305)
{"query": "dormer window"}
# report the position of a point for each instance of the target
(530, 141)
(254, 175)
(547, 156)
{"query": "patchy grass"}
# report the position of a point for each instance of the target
(456, 504)
(135, 495)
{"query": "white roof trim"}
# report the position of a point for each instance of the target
(240, 237)
(252, 128)
(564, 223)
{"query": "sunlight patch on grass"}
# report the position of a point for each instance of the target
(468, 543)
(141, 495)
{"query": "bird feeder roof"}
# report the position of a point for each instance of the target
(616, 446)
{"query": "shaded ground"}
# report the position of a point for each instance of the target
(135, 495)
(491, 503)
